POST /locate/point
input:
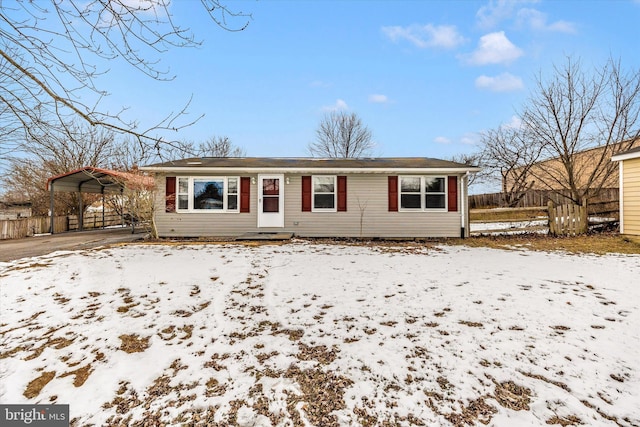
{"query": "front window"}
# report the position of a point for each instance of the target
(183, 193)
(434, 189)
(218, 194)
(324, 193)
(422, 192)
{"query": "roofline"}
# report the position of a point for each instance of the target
(125, 176)
(239, 169)
(625, 156)
(86, 168)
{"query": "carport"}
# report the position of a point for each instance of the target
(95, 181)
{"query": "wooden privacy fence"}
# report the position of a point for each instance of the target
(567, 219)
(25, 227)
(535, 198)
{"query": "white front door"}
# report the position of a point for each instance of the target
(270, 200)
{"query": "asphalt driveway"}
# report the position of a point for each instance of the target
(41, 245)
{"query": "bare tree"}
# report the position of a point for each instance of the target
(471, 159)
(577, 109)
(507, 154)
(219, 146)
(342, 135)
(50, 155)
(215, 146)
(52, 53)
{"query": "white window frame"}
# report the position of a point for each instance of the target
(191, 191)
(423, 194)
(335, 194)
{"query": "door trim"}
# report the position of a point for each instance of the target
(271, 219)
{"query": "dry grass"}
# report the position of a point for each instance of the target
(599, 244)
(507, 214)
(133, 343)
(80, 375)
(570, 420)
(34, 387)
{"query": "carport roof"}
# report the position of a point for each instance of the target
(96, 180)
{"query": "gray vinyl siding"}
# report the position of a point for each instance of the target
(367, 201)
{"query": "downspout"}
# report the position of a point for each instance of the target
(463, 205)
(51, 204)
(621, 196)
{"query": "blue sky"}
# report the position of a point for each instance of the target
(425, 76)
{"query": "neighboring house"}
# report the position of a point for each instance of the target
(629, 166)
(551, 175)
(376, 197)
(14, 210)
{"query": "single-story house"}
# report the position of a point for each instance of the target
(629, 164)
(312, 197)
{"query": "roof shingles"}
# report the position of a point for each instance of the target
(391, 163)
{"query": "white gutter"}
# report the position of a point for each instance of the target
(195, 169)
(627, 156)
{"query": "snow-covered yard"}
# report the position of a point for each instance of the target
(324, 334)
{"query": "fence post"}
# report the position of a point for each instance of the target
(584, 218)
(552, 218)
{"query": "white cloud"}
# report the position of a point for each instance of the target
(504, 82)
(320, 83)
(537, 20)
(442, 140)
(338, 106)
(424, 36)
(470, 138)
(514, 123)
(377, 98)
(494, 48)
(149, 7)
(497, 11)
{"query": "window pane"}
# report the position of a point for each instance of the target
(271, 187)
(232, 202)
(323, 201)
(435, 201)
(323, 184)
(233, 186)
(208, 194)
(271, 204)
(411, 184)
(183, 185)
(434, 185)
(183, 201)
(410, 201)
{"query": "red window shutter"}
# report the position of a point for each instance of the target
(452, 196)
(245, 193)
(170, 194)
(393, 194)
(306, 194)
(342, 194)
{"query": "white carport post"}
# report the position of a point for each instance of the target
(51, 203)
(102, 190)
(81, 209)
